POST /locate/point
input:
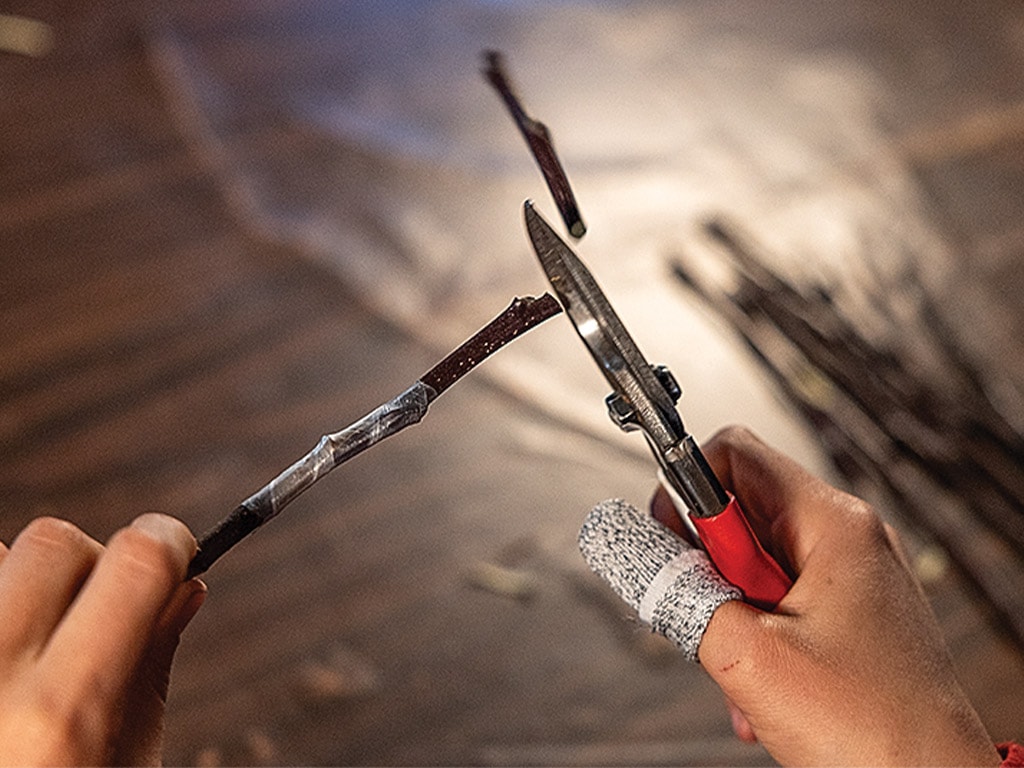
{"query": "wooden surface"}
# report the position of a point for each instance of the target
(424, 605)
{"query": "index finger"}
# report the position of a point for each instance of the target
(97, 648)
(788, 507)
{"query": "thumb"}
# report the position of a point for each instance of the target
(179, 613)
(740, 653)
(672, 586)
(140, 740)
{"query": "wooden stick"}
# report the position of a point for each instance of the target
(538, 138)
(406, 409)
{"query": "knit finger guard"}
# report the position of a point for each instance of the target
(673, 587)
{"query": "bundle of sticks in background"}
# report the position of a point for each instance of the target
(933, 446)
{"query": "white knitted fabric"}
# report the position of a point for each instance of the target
(672, 586)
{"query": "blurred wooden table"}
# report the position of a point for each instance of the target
(425, 606)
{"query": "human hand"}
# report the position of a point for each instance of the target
(851, 667)
(87, 639)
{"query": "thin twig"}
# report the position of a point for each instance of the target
(391, 417)
(538, 137)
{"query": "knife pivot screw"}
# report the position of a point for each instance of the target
(621, 411)
(668, 381)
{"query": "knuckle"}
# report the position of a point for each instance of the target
(739, 636)
(144, 556)
(750, 659)
(52, 533)
(59, 730)
(736, 444)
(734, 436)
(863, 523)
(767, 645)
(785, 650)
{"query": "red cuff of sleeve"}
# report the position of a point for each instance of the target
(1012, 754)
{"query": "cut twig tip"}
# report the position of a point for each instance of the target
(538, 138)
(520, 316)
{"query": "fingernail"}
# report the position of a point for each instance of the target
(157, 525)
(192, 605)
(738, 723)
(741, 726)
(166, 529)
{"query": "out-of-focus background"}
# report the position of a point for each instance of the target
(228, 227)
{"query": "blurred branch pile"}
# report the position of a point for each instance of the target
(930, 440)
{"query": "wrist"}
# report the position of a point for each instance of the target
(959, 738)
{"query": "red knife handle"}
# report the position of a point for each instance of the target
(740, 558)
